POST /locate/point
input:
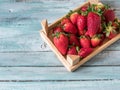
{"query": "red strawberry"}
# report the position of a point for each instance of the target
(115, 24)
(112, 34)
(65, 20)
(81, 24)
(100, 29)
(84, 8)
(85, 42)
(73, 18)
(109, 15)
(69, 28)
(84, 52)
(96, 40)
(73, 40)
(72, 51)
(110, 31)
(102, 39)
(57, 29)
(93, 23)
(61, 43)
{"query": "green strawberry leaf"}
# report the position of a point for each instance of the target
(53, 35)
(69, 13)
(106, 6)
(107, 34)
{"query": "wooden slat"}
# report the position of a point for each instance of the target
(63, 85)
(38, 59)
(58, 73)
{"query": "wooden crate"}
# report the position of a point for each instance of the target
(72, 62)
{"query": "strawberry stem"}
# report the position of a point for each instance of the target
(77, 48)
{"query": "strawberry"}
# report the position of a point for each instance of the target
(73, 18)
(72, 51)
(73, 40)
(112, 34)
(85, 41)
(69, 28)
(100, 29)
(81, 24)
(84, 52)
(109, 15)
(110, 30)
(115, 25)
(96, 40)
(57, 29)
(61, 42)
(65, 20)
(93, 23)
(102, 39)
(84, 8)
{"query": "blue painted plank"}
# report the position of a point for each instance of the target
(72, 85)
(36, 59)
(59, 73)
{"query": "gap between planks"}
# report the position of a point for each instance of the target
(38, 51)
(61, 66)
(81, 80)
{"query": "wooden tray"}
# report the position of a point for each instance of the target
(72, 62)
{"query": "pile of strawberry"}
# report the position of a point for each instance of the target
(83, 30)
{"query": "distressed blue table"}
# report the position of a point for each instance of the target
(27, 63)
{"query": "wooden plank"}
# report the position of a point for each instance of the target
(58, 73)
(63, 85)
(36, 59)
(29, 42)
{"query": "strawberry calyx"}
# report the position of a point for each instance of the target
(84, 13)
(110, 29)
(57, 34)
(83, 36)
(106, 6)
(69, 13)
(96, 9)
(97, 36)
(77, 48)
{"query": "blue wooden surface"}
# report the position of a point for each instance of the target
(27, 63)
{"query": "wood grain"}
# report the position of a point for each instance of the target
(22, 50)
(36, 59)
(59, 73)
(62, 85)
